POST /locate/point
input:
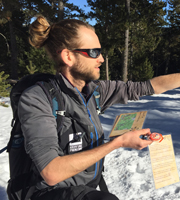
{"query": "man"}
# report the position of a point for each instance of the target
(65, 173)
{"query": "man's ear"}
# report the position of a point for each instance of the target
(67, 57)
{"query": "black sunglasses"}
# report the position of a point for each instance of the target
(93, 53)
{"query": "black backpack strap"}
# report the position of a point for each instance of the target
(97, 99)
(53, 92)
(15, 127)
(102, 184)
(3, 149)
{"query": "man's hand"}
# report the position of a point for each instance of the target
(132, 139)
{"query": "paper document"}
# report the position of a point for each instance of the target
(128, 122)
(163, 162)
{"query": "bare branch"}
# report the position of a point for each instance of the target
(6, 42)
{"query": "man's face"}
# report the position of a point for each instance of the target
(87, 68)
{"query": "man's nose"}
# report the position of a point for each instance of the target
(101, 59)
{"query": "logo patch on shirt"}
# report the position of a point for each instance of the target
(75, 142)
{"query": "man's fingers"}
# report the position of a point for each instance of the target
(145, 131)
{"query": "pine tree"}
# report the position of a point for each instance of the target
(147, 20)
(142, 70)
(174, 37)
(39, 59)
(4, 86)
(31, 68)
(144, 22)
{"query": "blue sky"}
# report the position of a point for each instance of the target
(81, 4)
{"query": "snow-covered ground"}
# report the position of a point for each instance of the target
(128, 172)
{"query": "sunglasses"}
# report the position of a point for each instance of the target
(93, 53)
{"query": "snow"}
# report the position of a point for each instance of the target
(128, 172)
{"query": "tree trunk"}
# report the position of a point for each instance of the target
(166, 66)
(61, 10)
(14, 53)
(131, 62)
(125, 55)
(107, 66)
(106, 55)
(125, 59)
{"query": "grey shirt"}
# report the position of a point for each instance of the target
(39, 124)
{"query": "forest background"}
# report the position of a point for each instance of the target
(140, 39)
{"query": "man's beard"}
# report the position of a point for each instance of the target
(78, 71)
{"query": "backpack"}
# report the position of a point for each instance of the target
(22, 181)
(21, 173)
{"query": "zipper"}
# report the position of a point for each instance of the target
(91, 136)
(97, 136)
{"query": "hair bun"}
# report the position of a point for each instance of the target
(43, 21)
(39, 31)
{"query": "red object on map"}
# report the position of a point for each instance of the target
(156, 137)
